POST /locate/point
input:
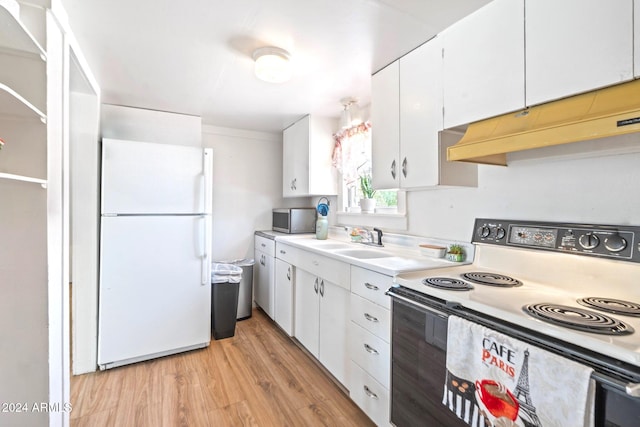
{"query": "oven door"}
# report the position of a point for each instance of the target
(418, 367)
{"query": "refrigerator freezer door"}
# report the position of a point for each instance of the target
(152, 297)
(150, 178)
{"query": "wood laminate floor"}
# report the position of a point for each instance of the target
(257, 378)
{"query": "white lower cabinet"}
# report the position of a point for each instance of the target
(369, 339)
(371, 396)
(371, 353)
(264, 274)
(283, 304)
(321, 319)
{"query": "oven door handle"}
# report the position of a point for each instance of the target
(633, 389)
(417, 304)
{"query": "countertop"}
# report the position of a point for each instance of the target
(399, 255)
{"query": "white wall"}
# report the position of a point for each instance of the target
(247, 185)
(601, 189)
(84, 159)
(137, 124)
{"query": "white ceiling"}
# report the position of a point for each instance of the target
(194, 57)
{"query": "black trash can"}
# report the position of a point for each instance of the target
(225, 285)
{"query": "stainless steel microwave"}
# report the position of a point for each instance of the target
(294, 220)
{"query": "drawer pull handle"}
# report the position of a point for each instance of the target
(370, 349)
(372, 287)
(263, 245)
(369, 393)
(289, 273)
(370, 318)
(282, 252)
(315, 286)
(315, 262)
(322, 288)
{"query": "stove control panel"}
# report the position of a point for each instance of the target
(605, 241)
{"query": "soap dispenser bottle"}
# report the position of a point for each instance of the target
(322, 224)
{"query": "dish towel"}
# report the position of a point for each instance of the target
(494, 380)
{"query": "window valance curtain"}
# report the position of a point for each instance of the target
(352, 150)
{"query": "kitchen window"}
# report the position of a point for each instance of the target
(352, 159)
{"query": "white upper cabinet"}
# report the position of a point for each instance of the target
(422, 153)
(484, 63)
(306, 161)
(420, 114)
(385, 122)
(575, 46)
(407, 119)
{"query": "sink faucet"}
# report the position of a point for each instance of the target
(377, 230)
(370, 240)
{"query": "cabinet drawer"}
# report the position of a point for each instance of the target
(373, 317)
(288, 253)
(371, 396)
(371, 285)
(265, 245)
(325, 267)
(371, 353)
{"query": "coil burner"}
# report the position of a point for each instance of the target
(610, 305)
(492, 279)
(447, 283)
(577, 318)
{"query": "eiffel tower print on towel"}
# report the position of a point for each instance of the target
(527, 410)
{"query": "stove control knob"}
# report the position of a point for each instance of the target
(615, 243)
(500, 233)
(589, 241)
(484, 231)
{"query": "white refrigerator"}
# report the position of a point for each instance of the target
(155, 241)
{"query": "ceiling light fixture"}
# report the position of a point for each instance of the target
(345, 118)
(273, 64)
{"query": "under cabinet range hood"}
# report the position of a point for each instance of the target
(606, 112)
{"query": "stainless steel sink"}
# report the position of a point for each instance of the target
(363, 253)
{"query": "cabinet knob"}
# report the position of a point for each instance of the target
(370, 318)
(370, 349)
(369, 393)
(372, 287)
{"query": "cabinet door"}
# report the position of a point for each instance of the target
(385, 127)
(306, 310)
(484, 63)
(295, 159)
(334, 323)
(575, 46)
(264, 282)
(283, 309)
(420, 115)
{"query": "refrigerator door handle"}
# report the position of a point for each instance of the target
(207, 175)
(207, 169)
(205, 253)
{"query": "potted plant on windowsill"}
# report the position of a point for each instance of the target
(367, 203)
(455, 253)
